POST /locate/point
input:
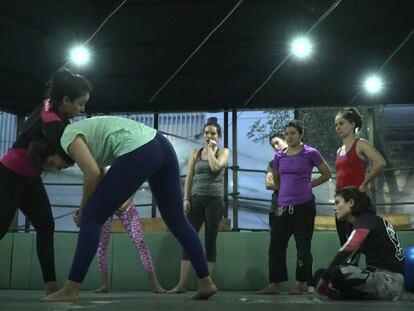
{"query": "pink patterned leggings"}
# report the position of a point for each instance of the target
(130, 220)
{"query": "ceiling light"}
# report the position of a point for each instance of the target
(301, 47)
(79, 55)
(373, 84)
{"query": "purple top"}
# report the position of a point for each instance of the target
(295, 173)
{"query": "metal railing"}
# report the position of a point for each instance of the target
(231, 197)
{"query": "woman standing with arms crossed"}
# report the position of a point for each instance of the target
(292, 172)
(20, 181)
(352, 159)
(278, 144)
(203, 195)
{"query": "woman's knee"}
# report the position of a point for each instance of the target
(304, 254)
(92, 215)
(339, 279)
(47, 226)
(211, 255)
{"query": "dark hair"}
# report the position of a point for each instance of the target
(273, 136)
(362, 202)
(352, 115)
(212, 121)
(39, 150)
(65, 83)
(297, 125)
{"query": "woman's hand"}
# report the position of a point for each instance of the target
(322, 287)
(125, 205)
(363, 187)
(187, 205)
(77, 217)
(212, 144)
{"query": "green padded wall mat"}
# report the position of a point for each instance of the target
(241, 261)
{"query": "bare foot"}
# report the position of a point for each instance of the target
(271, 289)
(50, 288)
(295, 291)
(177, 290)
(155, 284)
(61, 296)
(205, 292)
(159, 290)
(311, 290)
(102, 289)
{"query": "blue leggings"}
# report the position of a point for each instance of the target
(156, 162)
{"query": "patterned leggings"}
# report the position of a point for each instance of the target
(130, 220)
(353, 282)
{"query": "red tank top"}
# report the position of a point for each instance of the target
(350, 169)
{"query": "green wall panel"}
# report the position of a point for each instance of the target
(241, 262)
(6, 247)
(22, 260)
(128, 271)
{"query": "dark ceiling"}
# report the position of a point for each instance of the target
(145, 42)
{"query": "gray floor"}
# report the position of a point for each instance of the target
(11, 300)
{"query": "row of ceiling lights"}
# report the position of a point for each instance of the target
(301, 48)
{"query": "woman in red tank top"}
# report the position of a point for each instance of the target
(353, 157)
(355, 153)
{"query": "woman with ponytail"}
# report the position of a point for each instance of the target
(353, 157)
(20, 167)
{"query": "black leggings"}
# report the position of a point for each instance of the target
(208, 210)
(299, 221)
(29, 195)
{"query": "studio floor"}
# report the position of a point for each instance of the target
(19, 300)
